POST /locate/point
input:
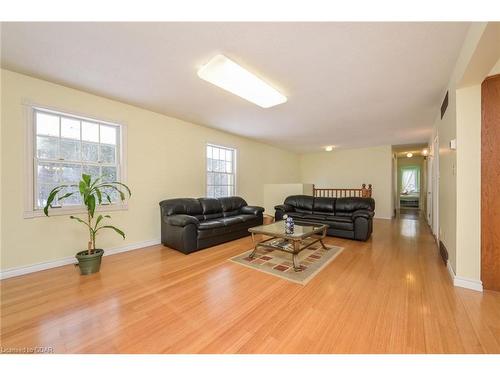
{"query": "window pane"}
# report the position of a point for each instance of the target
(108, 134)
(229, 155)
(229, 167)
(216, 153)
(75, 199)
(210, 179)
(43, 193)
(107, 154)
(47, 147)
(70, 150)
(210, 192)
(90, 131)
(92, 170)
(47, 124)
(209, 152)
(210, 165)
(109, 173)
(70, 128)
(70, 173)
(48, 173)
(90, 151)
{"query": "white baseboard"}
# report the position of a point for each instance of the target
(464, 282)
(23, 270)
(383, 217)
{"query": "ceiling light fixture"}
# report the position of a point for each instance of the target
(228, 75)
(329, 148)
(425, 152)
(409, 155)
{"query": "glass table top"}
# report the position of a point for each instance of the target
(277, 229)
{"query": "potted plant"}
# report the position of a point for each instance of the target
(92, 193)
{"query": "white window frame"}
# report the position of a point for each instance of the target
(235, 164)
(30, 211)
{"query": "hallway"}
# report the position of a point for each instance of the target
(391, 294)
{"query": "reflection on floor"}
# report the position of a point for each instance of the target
(391, 294)
(409, 213)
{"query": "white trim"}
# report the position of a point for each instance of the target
(29, 211)
(464, 282)
(450, 270)
(23, 270)
(383, 217)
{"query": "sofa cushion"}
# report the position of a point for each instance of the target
(314, 217)
(302, 203)
(182, 206)
(353, 204)
(210, 224)
(247, 217)
(229, 221)
(231, 205)
(324, 205)
(212, 208)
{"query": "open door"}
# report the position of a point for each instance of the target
(490, 183)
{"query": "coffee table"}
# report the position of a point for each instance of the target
(304, 235)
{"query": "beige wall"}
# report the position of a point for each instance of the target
(166, 159)
(496, 69)
(275, 194)
(459, 171)
(469, 182)
(351, 168)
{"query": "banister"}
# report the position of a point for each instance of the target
(365, 192)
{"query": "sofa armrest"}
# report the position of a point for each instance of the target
(252, 210)
(181, 220)
(363, 213)
(284, 207)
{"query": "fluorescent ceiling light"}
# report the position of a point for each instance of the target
(231, 77)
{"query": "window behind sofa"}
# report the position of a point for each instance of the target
(221, 171)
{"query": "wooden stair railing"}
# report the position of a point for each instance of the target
(365, 192)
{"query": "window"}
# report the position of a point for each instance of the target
(221, 174)
(65, 146)
(410, 179)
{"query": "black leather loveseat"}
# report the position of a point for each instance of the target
(189, 224)
(346, 217)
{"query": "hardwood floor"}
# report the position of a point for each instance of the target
(389, 295)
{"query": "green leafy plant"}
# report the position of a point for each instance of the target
(92, 193)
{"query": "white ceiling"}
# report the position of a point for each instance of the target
(348, 84)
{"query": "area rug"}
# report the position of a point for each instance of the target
(279, 263)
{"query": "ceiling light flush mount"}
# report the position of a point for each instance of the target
(226, 74)
(409, 155)
(329, 148)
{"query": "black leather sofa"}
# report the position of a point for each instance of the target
(189, 224)
(346, 217)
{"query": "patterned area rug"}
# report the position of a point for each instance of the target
(279, 263)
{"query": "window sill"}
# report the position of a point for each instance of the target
(74, 210)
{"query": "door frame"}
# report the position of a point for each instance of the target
(435, 187)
